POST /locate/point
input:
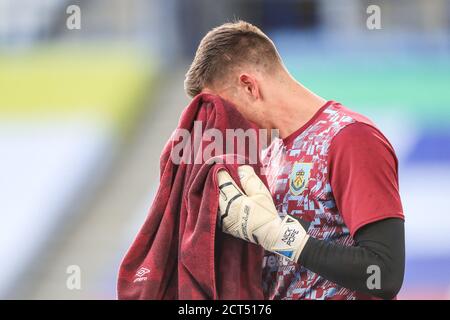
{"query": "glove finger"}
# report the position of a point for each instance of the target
(251, 183)
(228, 189)
(224, 180)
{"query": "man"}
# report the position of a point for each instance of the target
(332, 222)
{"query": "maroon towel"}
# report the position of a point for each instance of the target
(180, 253)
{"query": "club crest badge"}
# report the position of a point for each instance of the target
(299, 177)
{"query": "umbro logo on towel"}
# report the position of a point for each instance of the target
(140, 274)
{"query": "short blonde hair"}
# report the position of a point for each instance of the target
(224, 47)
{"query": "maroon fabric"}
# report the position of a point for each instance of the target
(363, 172)
(179, 253)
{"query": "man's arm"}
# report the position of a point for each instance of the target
(251, 216)
(379, 249)
(364, 180)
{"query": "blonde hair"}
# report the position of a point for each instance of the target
(224, 47)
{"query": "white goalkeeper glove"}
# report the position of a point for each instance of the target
(252, 215)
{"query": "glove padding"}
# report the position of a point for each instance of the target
(252, 215)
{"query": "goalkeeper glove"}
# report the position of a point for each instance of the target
(252, 215)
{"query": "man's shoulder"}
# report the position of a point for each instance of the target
(351, 115)
(357, 129)
(337, 120)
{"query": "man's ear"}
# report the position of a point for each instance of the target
(250, 85)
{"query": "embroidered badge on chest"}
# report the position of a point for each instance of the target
(298, 178)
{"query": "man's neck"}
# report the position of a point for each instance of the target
(295, 106)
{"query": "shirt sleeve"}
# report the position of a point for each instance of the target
(363, 172)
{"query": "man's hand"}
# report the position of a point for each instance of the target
(252, 215)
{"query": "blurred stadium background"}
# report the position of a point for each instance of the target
(85, 113)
